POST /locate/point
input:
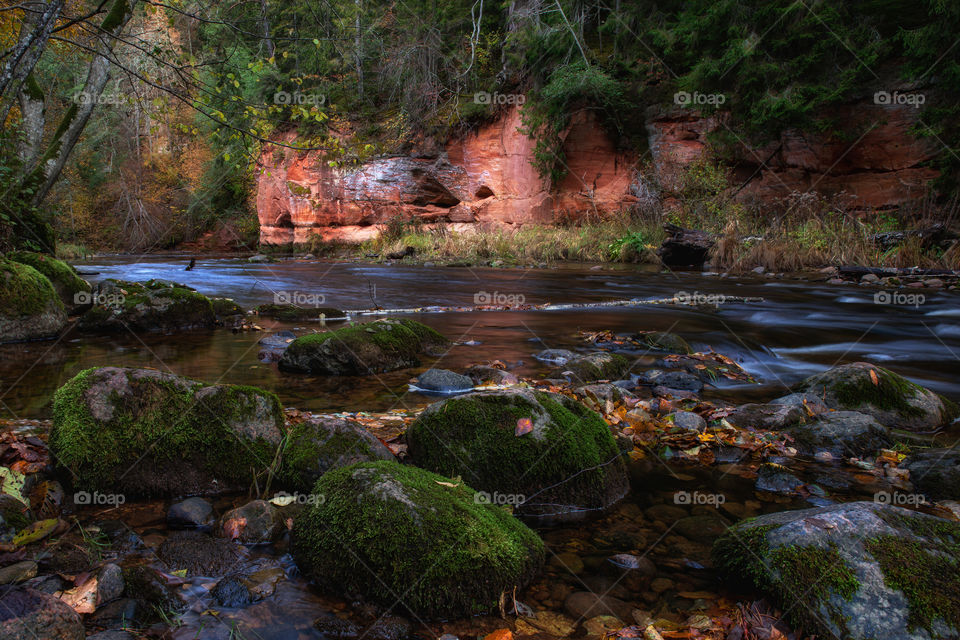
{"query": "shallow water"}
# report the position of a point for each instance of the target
(797, 329)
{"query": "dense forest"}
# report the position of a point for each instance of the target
(138, 124)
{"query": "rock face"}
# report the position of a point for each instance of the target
(30, 308)
(486, 178)
(318, 445)
(858, 570)
(892, 399)
(148, 306)
(547, 455)
(145, 432)
(482, 179)
(384, 529)
(375, 347)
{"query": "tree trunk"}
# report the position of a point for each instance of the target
(38, 23)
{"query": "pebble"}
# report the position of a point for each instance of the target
(567, 562)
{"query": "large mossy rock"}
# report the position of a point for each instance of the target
(935, 472)
(319, 445)
(30, 308)
(597, 366)
(859, 570)
(150, 306)
(142, 432)
(293, 313)
(565, 464)
(401, 535)
(363, 349)
(890, 398)
(64, 278)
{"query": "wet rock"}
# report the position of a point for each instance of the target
(665, 341)
(26, 614)
(688, 421)
(259, 258)
(444, 381)
(703, 528)
(680, 380)
(18, 572)
(115, 634)
(318, 445)
(257, 522)
(551, 623)
(597, 366)
(685, 247)
(625, 562)
(567, 562)
(771, 416)
(568, 458)
(335, 628)
(389, 628)
(112, 426)
(891, 399)
(842, 434)
(605, 392)
(192, 513)
(776, 478)
(555, 356)
(151, 591)
(374, 347)
(232, 592)
(602, 625)
(119, 613)
(583, 605)
(867, 570)
(227, 313)
(72, 290)
(146, 307)
(199, 553)
(109, 583)
(460, 554)
(294, 313)
(483, 375)
(121, 536)
(935, 472)
(665, 512)
(30, 308)
(278, 341)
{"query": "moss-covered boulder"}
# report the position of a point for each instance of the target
(64, 278)
(149, 306)
(362, 349)
(664, 341)
(547, 455)
(294, 313)
(597, 366)
(226, 312)
(890, 398)
(860, 570)
(30, 308)
(401, 535)
(318, 445)
(142, 432)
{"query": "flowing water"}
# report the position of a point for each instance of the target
(794, 330)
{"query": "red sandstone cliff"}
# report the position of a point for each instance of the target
(486, 178)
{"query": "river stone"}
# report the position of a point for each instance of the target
(27, 614)
(776, 478)
(19, 572)
(555, 356)
(842, 433)
(583, 605)
(191, 513)
(232, 592)
(320, 444)
(121, 306)
(227, 312)
(688, 421)
(597, 366)
(935, 472)
(389, 628)
(485, 375)
(384, 528)
(198, 553)
(679, 380)
(30, 308)
(605, 392)
(334, 628)
(893, 400)
(364, 349)
(703, 528)
(444, 381)
(70, 287)
(257, 522)
(141, 432)
(665, 341)
(770, 416)
(566, 467)
(851, 562)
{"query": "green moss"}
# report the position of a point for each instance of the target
(162, 420)
(311, 450)
(226, 307)
(789, 573)
(666, 341)
(14, 512)
(293, 313)
(473, 436)
(890, 394)
(598, 366)
(386, 530)
(62, 276)
(24, 291)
